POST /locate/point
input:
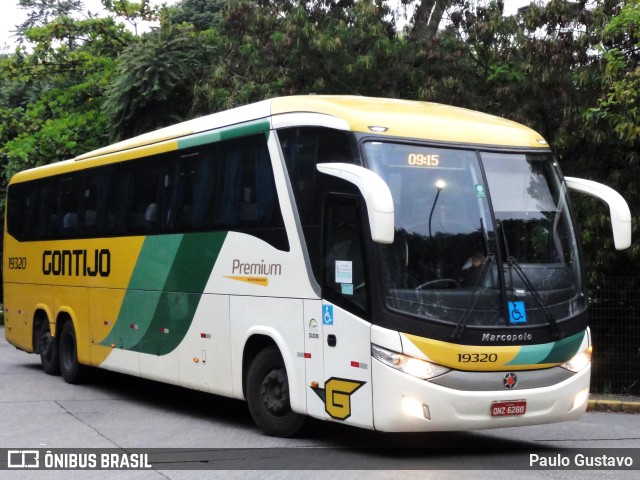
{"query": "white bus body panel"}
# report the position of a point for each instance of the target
(205, 353)
(124, 361)
(280, 319)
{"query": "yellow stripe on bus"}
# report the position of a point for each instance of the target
(472, 357)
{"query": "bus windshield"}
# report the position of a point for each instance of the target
(477, 233)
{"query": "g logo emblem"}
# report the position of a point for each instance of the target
(336, 396)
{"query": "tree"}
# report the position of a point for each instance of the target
(132, 12)
(617, 112)
(42, 12)
(200, 14)
(154, 81)
(52, 93)
(427, 18)
(619, 105)
(248, 51)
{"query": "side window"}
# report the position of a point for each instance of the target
(303, 149)
(148, 182)
(189, 204)
(246, 198)
(69, 206)
(99, 215)
(223, 186)
(31, 210)
(46, 219)
(343, 277)
(227, 185)
(22, 210)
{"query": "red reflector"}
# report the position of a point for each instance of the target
(355, 364)
(307, 355)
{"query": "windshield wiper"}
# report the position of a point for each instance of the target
(475, 296)
(513, 265)
(477, 285)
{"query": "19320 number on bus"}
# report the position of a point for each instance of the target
(477, 358)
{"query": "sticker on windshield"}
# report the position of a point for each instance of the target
(517, 312)
(344, 271)
(480, 192)
(347, 288)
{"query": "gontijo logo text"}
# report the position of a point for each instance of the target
(77, 263)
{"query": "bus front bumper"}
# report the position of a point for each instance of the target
(402, 403)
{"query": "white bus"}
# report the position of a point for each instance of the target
(393, 265)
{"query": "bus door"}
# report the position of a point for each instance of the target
(346, 336)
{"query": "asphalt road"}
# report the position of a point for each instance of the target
(218, 438)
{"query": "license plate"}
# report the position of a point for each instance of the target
(508, 408)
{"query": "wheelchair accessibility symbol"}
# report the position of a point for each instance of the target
(327, 314)
(517, 312)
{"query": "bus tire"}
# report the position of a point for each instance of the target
(72, 371)
(48, 348)
(268, 395)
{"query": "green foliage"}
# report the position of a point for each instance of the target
(132, 12)
(49, 131)
(298, 47)
(200, 14)
(51, 93)
(619, 106)
(153, 79)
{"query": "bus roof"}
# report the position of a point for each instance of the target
(416, 120)
(386, 117)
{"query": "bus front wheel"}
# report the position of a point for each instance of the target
(268, 395)
(72, 371)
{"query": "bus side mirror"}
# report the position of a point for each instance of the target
(376, 195)
(618, 208)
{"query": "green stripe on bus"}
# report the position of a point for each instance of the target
(151, 270)
(143, 293)
(242, 130)
(565, 349)
(531, 354)
(554, 352)
(165, 289)
(181, 295)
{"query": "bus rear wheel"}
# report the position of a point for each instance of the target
(72, 371)
(268, 395)
(48, 348)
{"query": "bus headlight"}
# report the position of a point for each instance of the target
(579, 360)
(409, 365)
